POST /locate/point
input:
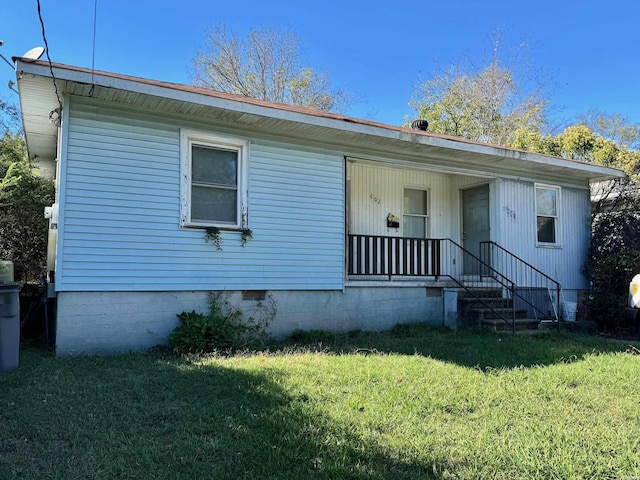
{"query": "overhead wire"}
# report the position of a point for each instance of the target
(46, 49)
(93, 52)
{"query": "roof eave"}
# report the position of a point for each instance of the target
(353, 128)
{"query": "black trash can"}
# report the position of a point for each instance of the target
(9, 325)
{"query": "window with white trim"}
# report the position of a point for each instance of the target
(415, 218)
(547, 204)
(213, 180)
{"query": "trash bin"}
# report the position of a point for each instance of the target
(9, 325)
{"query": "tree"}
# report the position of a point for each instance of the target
(9, 117)
(535, 141)
(580, 142)
(614, 127)
(265, 65)
(23, 196)
(488, 103)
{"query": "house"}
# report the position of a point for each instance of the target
(354, 224)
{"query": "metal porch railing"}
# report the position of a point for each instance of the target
(502, 282)
(536, 291)
(375, 256)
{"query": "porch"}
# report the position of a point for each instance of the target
(493, 288)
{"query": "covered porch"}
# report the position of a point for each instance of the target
(415, 226)
(410, 221)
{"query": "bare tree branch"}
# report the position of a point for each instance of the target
(265, 65)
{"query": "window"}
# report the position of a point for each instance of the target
(547, 200)
(213, 180)
(415, 220)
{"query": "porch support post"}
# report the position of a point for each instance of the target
(450, 307)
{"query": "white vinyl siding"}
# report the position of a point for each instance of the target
(516, 224)
(377, 191)
(122, 208)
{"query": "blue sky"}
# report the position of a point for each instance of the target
(377, 49)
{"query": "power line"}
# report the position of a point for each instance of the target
(3, 57)
(93, 52)
(46, 49)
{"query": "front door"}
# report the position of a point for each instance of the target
(475, 224)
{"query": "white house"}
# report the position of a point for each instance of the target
(354, 224)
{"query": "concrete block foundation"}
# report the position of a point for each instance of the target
(116, 322)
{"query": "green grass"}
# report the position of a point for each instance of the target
(413, 403)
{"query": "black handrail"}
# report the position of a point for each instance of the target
(524, 274)
(375, 255)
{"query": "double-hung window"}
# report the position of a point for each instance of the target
(415, 218)
(213, 180)
(547, 202)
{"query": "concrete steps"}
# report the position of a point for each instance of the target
(493, 312)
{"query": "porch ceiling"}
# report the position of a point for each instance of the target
(355, 137)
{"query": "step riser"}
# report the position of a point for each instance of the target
(491, 310)
(493, 303)
(488, 314)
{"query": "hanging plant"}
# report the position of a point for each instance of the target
(245, 235)
(212, 235)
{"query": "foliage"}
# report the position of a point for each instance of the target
(613, 257)
(535, 141)
(577, 142)
(23, 196)
(614, 127)
(611, 277)
(12, 150)
(581, 142)
(9, 118)
(246, 234)
(223, 328)
(199, 333)
(265, 65)
(485, 102)
(455, 405)
(212, 235)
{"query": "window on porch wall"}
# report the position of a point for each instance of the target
(547, 214)
(415, 223)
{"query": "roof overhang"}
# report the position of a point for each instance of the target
(355, 137)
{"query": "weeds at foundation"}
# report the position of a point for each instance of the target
(225, 328)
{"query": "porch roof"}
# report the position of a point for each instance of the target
(354, 136)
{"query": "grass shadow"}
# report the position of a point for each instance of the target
(159, 416)
(473, 349)
(315, 417)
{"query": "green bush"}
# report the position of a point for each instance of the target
(23, 196)
(202, 333)
(223, 328)
(614, 254)
(611, 277)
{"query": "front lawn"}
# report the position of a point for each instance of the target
(413, 403)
